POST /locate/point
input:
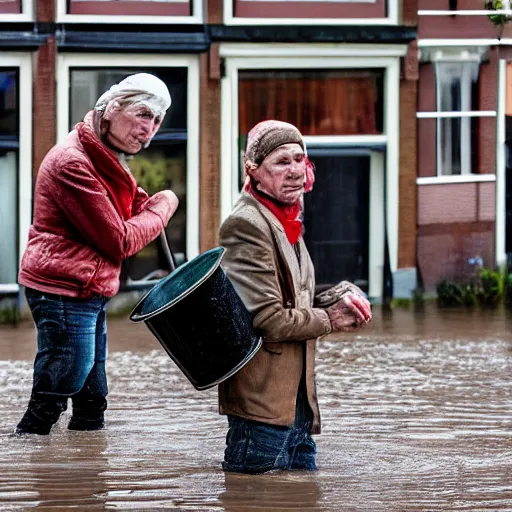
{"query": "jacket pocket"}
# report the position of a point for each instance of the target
(272, 347)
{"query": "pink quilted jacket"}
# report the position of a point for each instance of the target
(78, 241)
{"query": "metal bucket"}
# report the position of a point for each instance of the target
(200, 321)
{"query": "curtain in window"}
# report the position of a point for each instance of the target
(317, 105)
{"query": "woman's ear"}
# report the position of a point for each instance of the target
(250, 168)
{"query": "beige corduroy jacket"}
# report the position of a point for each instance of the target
(265, 271)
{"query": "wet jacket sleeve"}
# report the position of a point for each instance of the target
(250, 264)
(86, 204)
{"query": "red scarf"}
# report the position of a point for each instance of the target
(288, 215)
(120, 185)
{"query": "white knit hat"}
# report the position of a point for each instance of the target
(142, 88)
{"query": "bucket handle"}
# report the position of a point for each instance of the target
(167, 250)
(155, 276)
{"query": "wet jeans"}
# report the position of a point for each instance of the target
(254, 447)
(70, 362)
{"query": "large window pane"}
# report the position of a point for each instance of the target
(458, 145)
(87, 85)
(317, 102)
(457, 86)
(8, 103)
(457, 91)
(8, 217)
(161, 166)
(157, 168)
(9, 141)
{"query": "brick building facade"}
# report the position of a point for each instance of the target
(358, 78)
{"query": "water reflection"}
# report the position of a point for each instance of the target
(415, 417)
(274, 492)
(69, 468)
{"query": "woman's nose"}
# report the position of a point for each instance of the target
(296, 171)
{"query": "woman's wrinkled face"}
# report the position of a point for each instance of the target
(282, 174)
(132, 128)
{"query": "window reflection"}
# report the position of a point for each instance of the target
(8, 104)
(9, 143)
(159, 167)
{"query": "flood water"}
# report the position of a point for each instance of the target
(416, 416)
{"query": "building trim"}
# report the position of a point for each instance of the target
(464, 12)
(348, 140)
(23, 61)
(351, 53)
(21, 36)
(440, 114)
(64, 17)
(7, 289)
(427, 42)
(131, 40)
(459, 178)
(501, 214)
(378, 34)
(67, 61)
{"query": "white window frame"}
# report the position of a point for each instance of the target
(63, 17)
(27, 13)
(22, 61)
(324, 56)
(467, 174)
(501, 210)
(65, 62)
(391, 19)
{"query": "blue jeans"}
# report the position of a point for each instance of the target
(254, 447)
(70, 362)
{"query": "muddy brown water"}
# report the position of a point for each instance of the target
(416, 415)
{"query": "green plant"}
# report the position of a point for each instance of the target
(490, 287)
(9, 315)
(401, 303)
(507, 288)
(450, 294)
(496, 5)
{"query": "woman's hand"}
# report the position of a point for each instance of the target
(350, 313)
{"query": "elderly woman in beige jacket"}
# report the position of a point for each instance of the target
(271, 403)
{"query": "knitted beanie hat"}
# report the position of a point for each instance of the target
(269, 135)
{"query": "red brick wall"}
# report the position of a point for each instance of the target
(44, 91)
(487, 126)
(209, 137)
(209, 215)
(407, 177)
(410, 12)
(455, 222)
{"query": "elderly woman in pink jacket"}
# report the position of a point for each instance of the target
(89, 215)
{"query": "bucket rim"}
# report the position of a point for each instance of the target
(136, 317)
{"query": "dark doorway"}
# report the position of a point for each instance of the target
(336, 216)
